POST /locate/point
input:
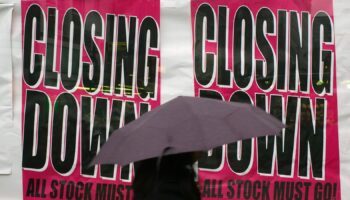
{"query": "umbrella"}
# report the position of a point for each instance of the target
(185, 124)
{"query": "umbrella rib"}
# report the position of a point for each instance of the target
(200, 127)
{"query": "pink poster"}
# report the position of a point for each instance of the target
(280, 56)
(89, 67)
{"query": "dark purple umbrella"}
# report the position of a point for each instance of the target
(186, 124)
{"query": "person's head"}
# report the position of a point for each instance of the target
(158, 176)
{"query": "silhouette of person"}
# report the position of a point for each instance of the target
(170, 177)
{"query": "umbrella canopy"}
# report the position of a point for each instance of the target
(186, 124)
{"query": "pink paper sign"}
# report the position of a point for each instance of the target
(89, 67)
(279, 56)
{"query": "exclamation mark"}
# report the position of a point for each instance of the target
(334, 191)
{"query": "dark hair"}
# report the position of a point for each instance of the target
(168, 176)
